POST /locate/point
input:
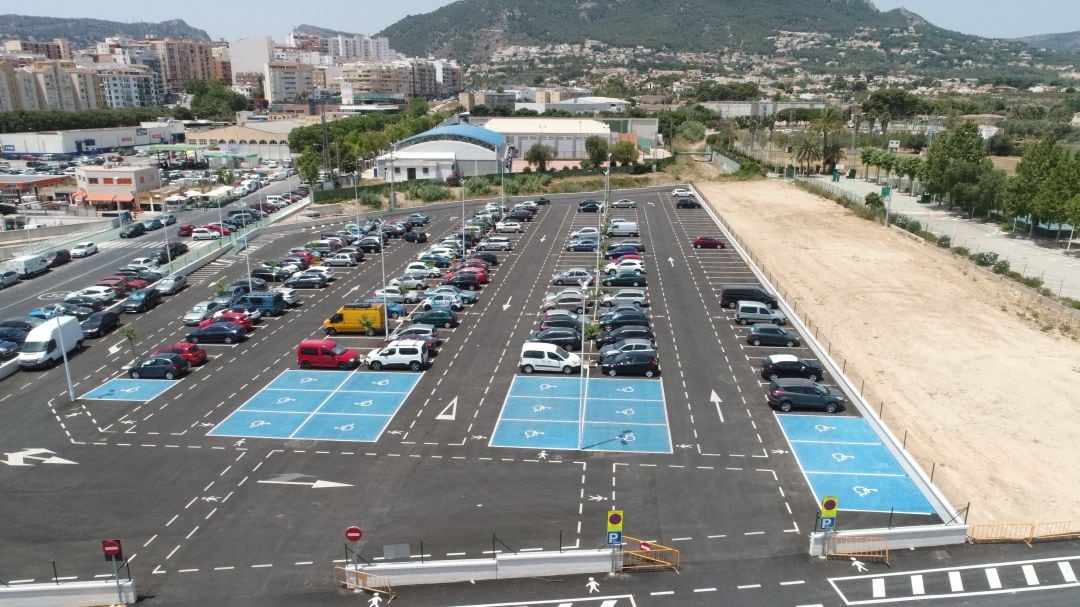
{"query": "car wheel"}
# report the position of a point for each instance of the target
(228, 340)
(567, 370)
(742, 321)
(558, 283)
(135, 375)
(729, 304)
(342, 366)
(812, 377)
(374, 365)
(755, 342)
(527, 369)
(169, 375)
(697, 246)
(414, 366)
(785, 406)
(611, 372)
(305, 365)
(649, 373)
(395, 315)
(830, 407)
(331, 331)
(789, 344)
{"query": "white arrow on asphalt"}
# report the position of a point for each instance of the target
(449, 413)
(395, 432)
(44, 456)
(291, 479)
(543, 237)
(116, 348)
(671, 260)
(779, 451)
(478, 437)
(684, 446)
(715, 399)
(596, 498)
(506, 306)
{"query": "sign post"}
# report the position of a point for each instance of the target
(353, 534)
(114, 553)
(827, 515)
(614, 527)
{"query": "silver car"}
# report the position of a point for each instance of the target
(202, 311)
(573, 276)
(624, 203)
(8, 278)
(634, 297)
(171, 284)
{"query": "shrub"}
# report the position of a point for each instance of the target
(1000, 267)
(639, 169)
(527, 170)
(478, 188)
(944, 242)
(984, 259)
(370, 199)
(961, 251)
(1072, 303)
(1031, 281)
(873, 199)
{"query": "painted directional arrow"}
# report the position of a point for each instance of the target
(506, 306)
(478, 437)
(779, 451)
(291, 478)
(44, 456)
(116, 348)
(449, 413)
(596, 498)
(671, 260)
(715, 399)
(543, 237)
(395, 432)
(685, 446)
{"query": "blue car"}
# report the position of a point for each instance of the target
(394, 310)
(438, 261)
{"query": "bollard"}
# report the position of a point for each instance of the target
(904, 445)
(843, 368)
(933, 468)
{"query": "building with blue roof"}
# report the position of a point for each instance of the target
(441, 152)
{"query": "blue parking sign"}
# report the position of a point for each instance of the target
(827, 523)
(614, 538)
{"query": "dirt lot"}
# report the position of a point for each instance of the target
(981, 379)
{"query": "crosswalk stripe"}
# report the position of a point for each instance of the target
(955, 582)
(917, 585)
(878, 585)
(992, 578)
(1067, 572)
(1029, 575)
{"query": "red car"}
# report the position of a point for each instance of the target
(185, 229)
(122, 284)
(481, 275)
(628, 256)
(302, 252)
(220, 229)
(708, 242)
(475, 263)
(193, 353)
(235, 318)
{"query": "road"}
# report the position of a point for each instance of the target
(213, 519)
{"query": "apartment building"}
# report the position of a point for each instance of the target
(127, 86)
(222, 63)
(365, 48)
(488, 99)
(183, 61)
(366, 77)
(56, 49)
(288, 81)
(250, 55)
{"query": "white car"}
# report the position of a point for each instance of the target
(634, 297)
(97, 293)
(145, 263)
(624, 203)
(84, 249)
(340, 259)
(419, 269)
(408, 283)
(204, 234)
(444, 251)
(327, 273)
(495, 243)
(626, 264)
(509, 226)
(399, 295)
(681, 193)
(585, 233)
(291, 297)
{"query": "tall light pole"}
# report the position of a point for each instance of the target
(356, 195)
(393, 148)
(247, 248)
(583, 391)
(63, 353)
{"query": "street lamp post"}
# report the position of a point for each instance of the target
(247, 248)
(63, 353)
(393, 148)
(583, 390)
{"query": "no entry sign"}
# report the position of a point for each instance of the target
(112, 550)
(353, 534)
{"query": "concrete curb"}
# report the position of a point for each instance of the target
(503, 567)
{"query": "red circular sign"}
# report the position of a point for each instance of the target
(614, 518)
(646, 546)
(829, 504)
(353, 534)
(110, 547)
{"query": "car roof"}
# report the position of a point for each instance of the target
(792, 381)
(782, 358)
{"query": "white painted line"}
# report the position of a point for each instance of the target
(172, 552)
(878, 586)
(992, 578)
(229, 568)
(917, 586)
(662, 593)
(955, 583)
(1067, 572)
(263, 565)
(304, 563)
(793, 583)
(186, 570)
(749, 586)
(704, 589)
(21, 581)
(1029, 575)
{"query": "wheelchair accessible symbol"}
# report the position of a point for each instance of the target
(131, 390)
(543, 387)
(540, 408)
(628, 411)
(346, 428)
(533, 434)
(307, 380)
(863, 491)
(842, 457)
(258, 424)
(823, 428)
(627, 389)
(381, 382)
(285, 399)
(364, 403)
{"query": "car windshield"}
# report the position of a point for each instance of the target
(563, 354)
(138, 295)
(35, 346)
(199, 309)
(339, 350)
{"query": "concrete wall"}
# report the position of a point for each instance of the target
(925, 536)
(505, 566)
(70, 594)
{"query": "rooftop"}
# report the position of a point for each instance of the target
(548, 125)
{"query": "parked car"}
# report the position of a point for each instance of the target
(96, 292)
(623, 203)
(631, 363)
(539, 356)
(185, 229)
(681, 193)
(269, 274)
(159, 366)
(687, 203)
(440, 318)
(485, 256)
(408, 353)
(58, 257)
(633, 297)
(771, 335)
(132, 230)
(625, 278)
(8, 279)
(142, 300)
(573, 276)
(25, 323)
(465, 296)
(201, 311)
(193, 353)
(790, 393)
(224, 332)
(306, 281)
(625, 264)
(204, 234)
(748, 312)
(627, 345)
(60, 309)
(419, 219)
(707, 242)
(495, 243)
(415, 236)
(787, 365)
(567, 339)
(628, 332)
(582, 246)
(327, 354)
(84, 249)
(100, 323)
(340, 259)
(171, 284)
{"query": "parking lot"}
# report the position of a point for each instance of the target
(222, 459)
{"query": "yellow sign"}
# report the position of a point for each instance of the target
(614, 521)
(829, 505)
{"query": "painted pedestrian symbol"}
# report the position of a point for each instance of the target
(540, 408)
(308, 380)
(627, 389)
(543, 387)
(532, 434)
(239, 443)
(349, 427)
(863, 491)
(858, 565)
(130, 390)
(258, 424)
(593, 585)
(375, 601)
(823, 428)
(842, 457)
(381, 382)
(628, 411)
(542, 455)
(364, 403)
(285, 399)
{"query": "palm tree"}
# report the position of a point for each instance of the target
(539, 155)
(807, 149)
(828, 123)
(868, 156)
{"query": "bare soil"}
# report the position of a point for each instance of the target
(981, 379)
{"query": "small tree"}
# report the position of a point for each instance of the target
(874, 200)
(308, 166)
(624, 152)
(218, 288)
(597, 150)
(540, 155)
(128, 332)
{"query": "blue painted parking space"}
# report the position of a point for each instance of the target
(842, 456)
(625, 415)
(321, 405)
(138, 390)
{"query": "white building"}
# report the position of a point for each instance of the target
(351, 48)
(127, 86)
(437, 154)
(564, 135)
(580, 105)
(91, 141)
(287, 81)
(250, 55)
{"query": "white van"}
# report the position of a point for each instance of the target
(538, 356)
(751, 312)
(42, 347)
(623, 228)
(28, 266)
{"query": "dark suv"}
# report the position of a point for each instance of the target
(731, 295)
(687, 203)
(797, 393)
(771, 335)
(786, 365)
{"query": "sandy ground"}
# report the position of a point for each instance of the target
(981, 379)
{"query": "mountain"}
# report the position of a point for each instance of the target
(1069, 41)
(471, 29)
(84, 32)
(315, 30)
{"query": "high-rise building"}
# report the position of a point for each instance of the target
(60, 85)
(126, 86)
(287, 82)
(343, 48)
(367, 77)
(183, 61)
(222, 66)
(250, 55)
(57, 49)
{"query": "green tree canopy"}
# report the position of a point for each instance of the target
(597, 150)
(307, 166)
(1039, 161)
(540, 155)
(624, 153)
(212, 100)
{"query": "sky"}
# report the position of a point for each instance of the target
(232, 20)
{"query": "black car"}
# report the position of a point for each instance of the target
(84, 302)
(170, 252)
(217, 333)
(8, 349)
(306, 281)
(14, 335)
(142, 300)
(623, 320)
(25, 323)
(159, 366)
(415, 236)
(797, 393)
(140, 273)
(542, 200)
(771, 335)
(786, 365)
(132, 230)
(369, 244)
(687, 203)
(462, 280)
(631, 363)
(625, 278)
(486, 256)
(567, 339)
(628, 332)
(58, 257)
(618, 251)
(582, 246)
(638, 245)
(589, 207)
(270, 274)
(100, 323)
(518, 216)
(248, 285)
